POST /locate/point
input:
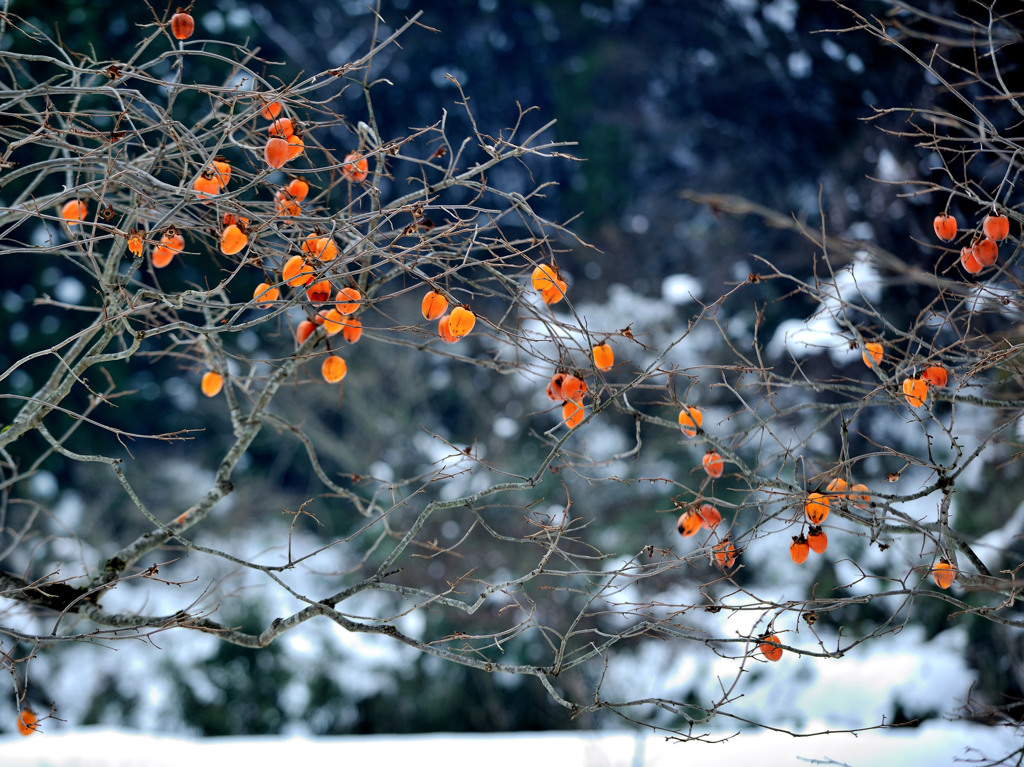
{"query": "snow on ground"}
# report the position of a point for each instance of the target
(936, 745)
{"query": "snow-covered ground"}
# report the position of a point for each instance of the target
(935, 745)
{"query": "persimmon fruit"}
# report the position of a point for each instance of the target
(211, 383)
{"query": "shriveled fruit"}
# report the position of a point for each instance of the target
(135, 243)
(710, 517)
(433, 305)
(352, 329)
(303, 331)
(297, 272)
(319, 292)
(573, 413)
(688, 524)
(872, 351)
(725, 553)
(355, 168)
(603, 355)
(554, 388)
(264, 295)
(276, 152)
(816, 508)
(171, 244)
(347, 300)
(817, 540)
(799, 549)
(74, 212)
(997, 227)
(770, 647)
(333, 369)
(945, 227)
(943, 573)
(232, 240)
(182, 25)
(714, 464)
(690, 419)
(936, 375)
(461, 321)
(211, 383)
(915, 390)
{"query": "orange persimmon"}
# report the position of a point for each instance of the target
(232, 240)
(347, 300)
(969, 261)
(221, 171)
(603, 355)
(710, 517)
(297, 272)
(212, 383)
(986, 251)
(573, 413)
(333, 369)
(319, 292)
(945, 227)
(281, 128)
(303, 331)
(171, 244)
(355, 168)
(817, 507)
(27, 722)
(433, 305)
(574, 388)
(264, 295)
(296, 146)
(275, 153)
(324, 248)
(690, 419)
(799, 549)
(444, 330)
(74, 212)
(817, 540)
(714, 464)
(298, 188)
(935, 375)
(689, 523)
(271, 110)
(554, 388)
(769, 647)
(461, 321)
(872, 351)
(915, 390)
(182, 25)
(996, 227)
(943, 573)
(352, 330)
(725, 553)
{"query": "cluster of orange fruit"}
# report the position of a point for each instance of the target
(983, 251)
(915, 388)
